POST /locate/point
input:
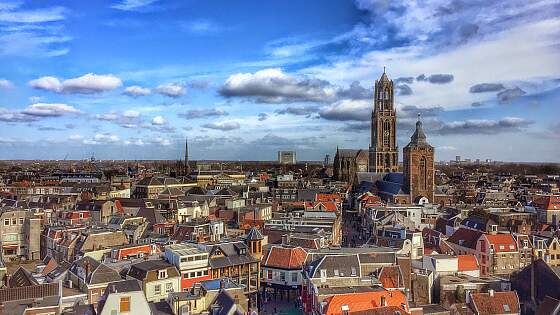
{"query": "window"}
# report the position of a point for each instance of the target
(168, 287)
(124, 305)
(199, 273)
(386, 132)
(21, 220)
(193, 274)
(336, 272)
(205, 272)
(157, 289)
(294, 277)
(506, 308)
(186, 275)
(6, 221)
(162, 274)
(424, 173)
(282, 276)
(14, 221)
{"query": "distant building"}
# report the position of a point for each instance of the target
(287, 157)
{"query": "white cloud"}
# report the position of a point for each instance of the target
(161, 141)
(76, 137)
(131, 114)
(7, 14)
(172, 90)
(107, 116)
(487, 60)
(132, 5)
(49, 110)
(275, 86)
(5, 84)
(223, 126)
(136, 91)
(102, 138)
(158, 121)
(87, 84)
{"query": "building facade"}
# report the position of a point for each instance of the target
(383, 150)
(418, 165)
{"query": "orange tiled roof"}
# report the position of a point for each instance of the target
(548, 202)
(285, 258)
(391, 277)
(502, 242)
(467, 262)
(363, 301)
(501, 303)
(327, 197)
(327, 205)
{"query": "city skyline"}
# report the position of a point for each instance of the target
(131, 79)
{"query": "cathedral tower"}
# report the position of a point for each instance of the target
(383, 150)
(418, 164)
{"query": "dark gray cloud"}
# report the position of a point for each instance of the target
(202, 113)
(486, 87)
(199, 84)
(263, 116)
(298, 111)
(47, 128)
(362, 126)
(272, 140)
(440, 78)
(408, 80)
(411, 111)
(490, 127)
(436, 78)
(508, 95)
(403, 89)
(355, 92)
(223, 126)
(477, 104)
(346, 111)
(274, 86)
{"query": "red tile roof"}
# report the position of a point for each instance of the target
(500, 303)
(326, 206)
(547, 202)
(364, 301)
(391, 277)
(327, 197)
(285, 258)
(467, 263)
(502, 242)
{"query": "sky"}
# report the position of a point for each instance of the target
(131, 79)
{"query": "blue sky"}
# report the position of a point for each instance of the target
(130, 79)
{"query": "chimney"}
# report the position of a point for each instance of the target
(383, 301)
(491, 292)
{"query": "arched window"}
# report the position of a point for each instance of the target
(423, 172)
(386, 132)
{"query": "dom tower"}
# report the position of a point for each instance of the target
(383, 150)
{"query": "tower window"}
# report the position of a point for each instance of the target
(423, 173)
(386, 132)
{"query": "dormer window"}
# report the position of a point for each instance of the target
(162, 274)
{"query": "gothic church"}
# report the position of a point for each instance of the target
(416, 183)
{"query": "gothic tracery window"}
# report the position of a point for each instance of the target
(386, 132)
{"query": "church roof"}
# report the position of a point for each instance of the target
(384, 77)
(347, 153)
(419, 137)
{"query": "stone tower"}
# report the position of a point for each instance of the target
(418, 164)
(383, 150)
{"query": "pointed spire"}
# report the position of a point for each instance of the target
(419, 137)
(384, 76)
